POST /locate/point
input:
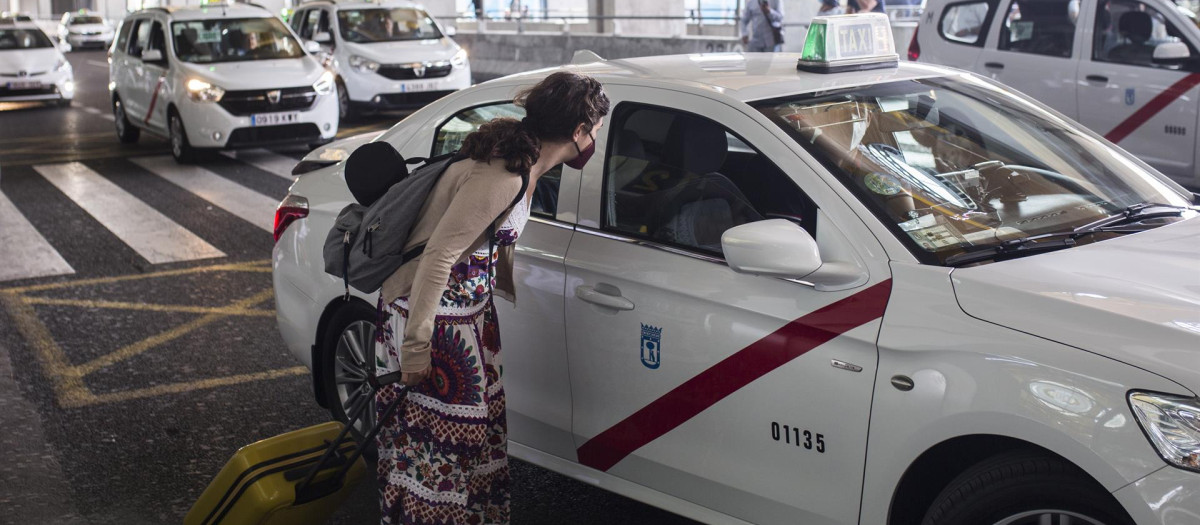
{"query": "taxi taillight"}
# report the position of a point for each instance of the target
(914, 47)
(293, 207)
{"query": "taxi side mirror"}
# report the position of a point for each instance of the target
(1171, 53)
(322, 38)
(152, 56)
(451, 31)
(312, 47)
(773, 247)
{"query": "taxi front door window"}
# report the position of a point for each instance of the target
(683, 180)
(1040, 27)
(1127, 32)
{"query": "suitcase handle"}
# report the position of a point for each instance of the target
(307, 490)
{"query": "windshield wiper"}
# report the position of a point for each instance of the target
(1012, 249)
(1135, 213)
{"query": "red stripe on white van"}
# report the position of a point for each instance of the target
(731, 374)
(1156, 104)
(154, 98)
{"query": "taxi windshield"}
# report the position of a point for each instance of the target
(233, 40)
(386, 25)
(957, 164)
(14, 38)
(83, 20)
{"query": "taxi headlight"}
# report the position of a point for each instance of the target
(363, 65)
(325, 84)
(1173, 425)
(460, 58)
(201, 91)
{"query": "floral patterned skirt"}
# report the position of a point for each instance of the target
(443, 458)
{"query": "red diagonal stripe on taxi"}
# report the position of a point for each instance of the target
(731, 374)
(1156, 104)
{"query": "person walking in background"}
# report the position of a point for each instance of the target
(830, 8)
(762, 27)
(865, 6)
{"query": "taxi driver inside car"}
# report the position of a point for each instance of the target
(957, 166)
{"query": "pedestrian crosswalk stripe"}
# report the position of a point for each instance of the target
(151, 234)
(267, 161)
(26, 254)
(254, 207)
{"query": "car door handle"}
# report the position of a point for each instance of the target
(605, 295)
(1097, 78)
(993, 65)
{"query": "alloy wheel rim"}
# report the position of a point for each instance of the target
(354, 353)
(119, 117)
(1049, 517)
(176, 137)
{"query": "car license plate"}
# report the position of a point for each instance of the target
(272, 119)
(29, 84)
(414, 87)
(856, 40)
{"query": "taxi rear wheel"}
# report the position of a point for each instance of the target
(1025, 488)
(127, 133)
(347, 352)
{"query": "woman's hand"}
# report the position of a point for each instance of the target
(415, 378)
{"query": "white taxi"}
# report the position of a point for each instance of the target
(823, 288)
(1127, 69)
(218, 76)
(31, 67)
(387, 54)
(84, 29)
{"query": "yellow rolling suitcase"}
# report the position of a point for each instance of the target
(296, 478)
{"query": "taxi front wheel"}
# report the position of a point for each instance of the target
(181, 149)
(127, 133)
(1025, 488)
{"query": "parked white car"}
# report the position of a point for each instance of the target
(84, 29)
(865, 292)
(32, 67)
(1127, 69)
(218, 77)
(387, 54)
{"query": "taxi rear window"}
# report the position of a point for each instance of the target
(956, 164)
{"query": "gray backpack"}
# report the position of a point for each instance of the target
(366, 244)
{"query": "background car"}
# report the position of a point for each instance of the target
(31, 67)
(1124, 68)
(826, 296)
(84, 29)
(207, 79)
(386, 54)
(11, 16)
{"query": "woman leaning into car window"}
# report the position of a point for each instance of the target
(443, 459)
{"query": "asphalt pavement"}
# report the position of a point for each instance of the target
(132, 367)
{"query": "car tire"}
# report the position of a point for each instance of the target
(181, 149)
(1024, 487)
(127, 133)
(63, 102)
(345, 107)
(343, 368)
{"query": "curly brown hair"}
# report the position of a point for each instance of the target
(553, 108)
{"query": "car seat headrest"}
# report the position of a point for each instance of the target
(1137, 26)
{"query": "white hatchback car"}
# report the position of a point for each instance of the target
(387, 54)
(1127, 69)
(218, 76)
(32, 67)
(874, 293)
(84, 29)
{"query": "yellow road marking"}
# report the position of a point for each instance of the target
(140, 347)
(68, 388)
(252, 266)
(179, 388)
(118, 305)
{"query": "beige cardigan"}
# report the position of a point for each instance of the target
(459, 211)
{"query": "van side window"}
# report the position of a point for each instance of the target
(966, 22)
(158, 39)
(309, 27)
(1127, 32)
(681, 179)
(123, 34)
(297, 20)
(140, 38)
(453, 131)
(1040, 27)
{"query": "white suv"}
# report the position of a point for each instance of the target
(83, 29)
(221, 76)
(31, 67)
(386, 54)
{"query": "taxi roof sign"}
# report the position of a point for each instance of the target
(848, 43)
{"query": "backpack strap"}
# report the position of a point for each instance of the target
(493, 236)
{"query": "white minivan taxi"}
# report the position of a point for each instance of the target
(389, 54)
(1127, 69)
(84, 29)
(822, 288)
(218, 76)
(32, 68)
